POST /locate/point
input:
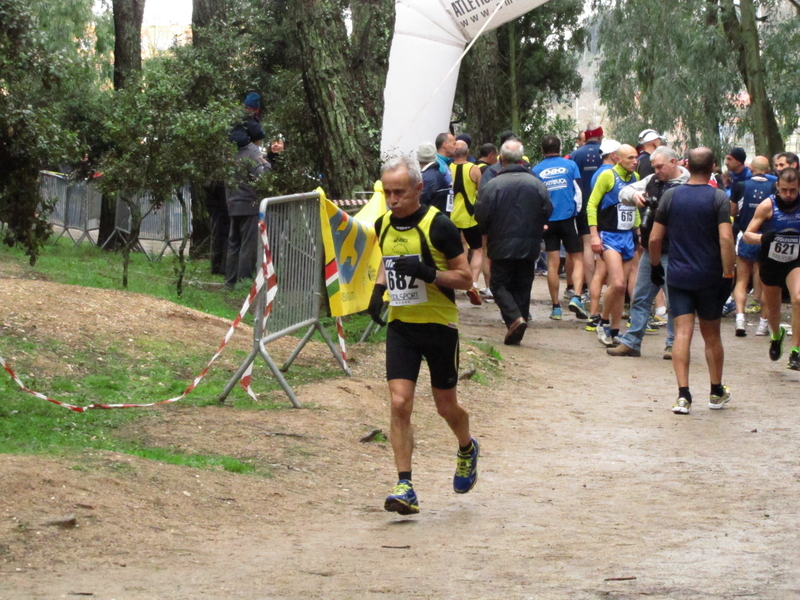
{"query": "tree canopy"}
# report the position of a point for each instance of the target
(710, 70)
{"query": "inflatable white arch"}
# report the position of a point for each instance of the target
(429, 40)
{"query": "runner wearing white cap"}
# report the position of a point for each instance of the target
(649, 140)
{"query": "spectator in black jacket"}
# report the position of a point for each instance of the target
(512, 211)
(243, 207)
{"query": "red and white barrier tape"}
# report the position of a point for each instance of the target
(340, 332)
(354, 202)
(265, 276)
(268, 273)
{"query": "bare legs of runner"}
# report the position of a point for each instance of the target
(401, 431)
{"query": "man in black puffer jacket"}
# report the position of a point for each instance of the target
(512, 211)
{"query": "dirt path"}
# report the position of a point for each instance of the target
(589, 488)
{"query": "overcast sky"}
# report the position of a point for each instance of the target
(167, 12)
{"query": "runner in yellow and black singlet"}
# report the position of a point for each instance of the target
(423, 263)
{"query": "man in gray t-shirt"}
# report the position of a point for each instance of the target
(700, 271)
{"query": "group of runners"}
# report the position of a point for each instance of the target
(641, 222)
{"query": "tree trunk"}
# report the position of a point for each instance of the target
(743, 38)
(108, 212)
(208, 18)
(128, 16)
(207, 14)
(184, 241)
(478, 83)
(513, 42)
(344, 80)
(711, 117)
(767, 134)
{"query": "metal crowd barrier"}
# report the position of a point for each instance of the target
(298, 254)
(77, 206)
(163, 226)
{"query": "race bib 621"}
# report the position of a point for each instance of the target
(785, 248)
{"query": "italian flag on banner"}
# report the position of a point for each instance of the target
(352, 256)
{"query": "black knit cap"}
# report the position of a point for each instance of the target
(738, 153)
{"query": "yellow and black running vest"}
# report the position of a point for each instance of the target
(465, 194)
(440, 306)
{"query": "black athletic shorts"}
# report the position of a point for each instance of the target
(407, 343)
(473, 237)
(565, 231)
(582, 221)
(775, 273)
(707, 303)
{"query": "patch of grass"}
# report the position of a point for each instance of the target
(29, 425)
(354, 327)
(480, 378)
(197, 461)
(88, 266)
(484, 357)
(488, 349)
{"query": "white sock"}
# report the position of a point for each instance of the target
(661, 311)
(740, 316)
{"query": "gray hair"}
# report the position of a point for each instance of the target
(404, 162)
(512, 152)
(665, 151)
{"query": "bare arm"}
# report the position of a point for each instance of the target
(475, 174)
(727, 248)
(457, 275)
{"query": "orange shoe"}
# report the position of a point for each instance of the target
(474, 296)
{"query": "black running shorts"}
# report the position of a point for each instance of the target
(565, 231)
(473, 237)
(582, 221)
(775, 273)
(707, 303)
(408, 343)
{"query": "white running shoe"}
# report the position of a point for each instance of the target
(741, 326)
(763, 327)
(604, 337)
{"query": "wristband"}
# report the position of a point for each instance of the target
(728, 275)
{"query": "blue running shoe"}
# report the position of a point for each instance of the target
(555, 314)
(403, 499)
(576, 306)
(466, 470)
(728, 307)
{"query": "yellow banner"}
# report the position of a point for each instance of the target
(352, 256)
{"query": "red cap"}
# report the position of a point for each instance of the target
(594, 133)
